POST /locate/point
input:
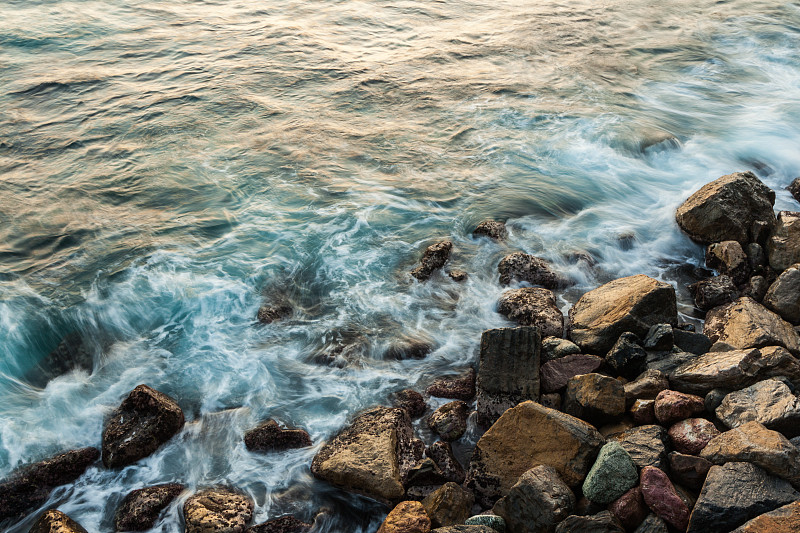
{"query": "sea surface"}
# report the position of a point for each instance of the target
(167, 167)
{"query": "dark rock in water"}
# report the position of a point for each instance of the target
(794, 188)
(457, 274)
(688, 470)
(463, 529)
(140, 509)
(652, 524)
(409, 348)
(783, 296)
(660, 496)
(557, 373)
(659, 337)
(783, 246)
(691, 342)
(461, 387)
(769, 402)
(594, 398)
(713, 292)
(647, 445)
(747, 324)
(784, 519)
(727, 209)
(690, 436)
(269, 436)
(284, 524)
(491, 228)
(556, 348)
(448, 505)
(509, 370)
(533, 306)
(54, 521)
(756, 288)
(268, 314)
(537, 502)
(219, 510)
(603, 522)
(728, 258)
(736, 492)
(646, 386)
(627, 240)
(72, 353)
(524, 267)
(30, 486)
(450, 420)
(630, 508)
(145, 420)
(406, 517)
(434, 258)
(411, 401)
(627, 358)
(442, 454)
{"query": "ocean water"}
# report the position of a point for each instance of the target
(167, 167)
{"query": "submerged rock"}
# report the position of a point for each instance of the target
(434, 258)
(72, 353)
(747, 324)
(533, 306)
(783, 296)
(537, 502)
(269, 436)
(409, 347)
(140, 509)
(461, 387)
(55, 521)
(783, 246)
(267, 314)
(220, 510)
(524, 267)
(493, 229)
(406, 517)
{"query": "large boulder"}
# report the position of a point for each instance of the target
(595, 398)
(218, 510)
(537, 502)
(524, 267)
(526, 436)
(783, 246)
(731, 208)
(746, 323)
(448, 505)
(406, 517)
(627, 304)
(784, 519)
(144, 421)
(769, 402)
(533, 306)
(434, 258)
(783, 296)
(140, 509)
(269, 436)
(55, 521)
(371, 456)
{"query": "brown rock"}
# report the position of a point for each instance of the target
(442, 454)
(267, 314)
(556, 373)
(533, 306)
(491, 228)
(647, 445)
(688, 470)
(450, 420)
(646, 386)
(461, 387)
(283, 524)
(269, 436)
(217, 510)
(783, 246)
(714, 292)
(784, 519)
(448, 505)
(769, 402)
(643, 412)
(794, 188)
(523, 267)
(456, 274)
(412, 401)
(140, 509)
(728, 258)
(406, 517)
(537, 502)
(54, 521)
(630, 509)
(602, 522)
(783, 296)
(672, 406)
(434, 258)
(595, 398)
(690, 436)
(747, 324)
(409, 347)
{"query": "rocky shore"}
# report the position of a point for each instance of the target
(617, 417)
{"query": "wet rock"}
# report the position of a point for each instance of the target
(783, 296)
(727, 209)
(461, 387)
(220, 510)
(603, 522)
(433, 258)
(794, 188)
(652, 524)
(371, 456)
(491, 228)
(267, 314)
(713, 292)
(408, 348)
(524, 267)
(627, 304)
(747, 324)
(269, 436)
(672, 406)
(533, 306)
(630, 508)
(537, 502)
(489, 520)
(463, 529)
(690, 436)
(643, 412)
(646, 386)
(140, 509)
(55, 521)
(736, 492)
(450, 420)
(406, 517)
(627, 358)
(756, 288)
(647, 445)
(457, 274)
(442, 454)
(691, 342)
(283, 524)
(412, 401)
(555, 348)
(425, 474)
(669, 361)
(526, 436)
(769, 402)
(688, 470)
(659, 337)
(594, 397)
(448, 505)
(612, 474)
(728, 258)
(661, 497)
(784, 519)
(555, 374)
(783, 246)
(509, 370)
(72, 353)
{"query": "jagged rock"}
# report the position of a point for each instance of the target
(533, 306)
(537, 502)
(55, 521)
(756, 257)
(371, 456)
(784, 519)
(463, 529)
(727, 209)
(646, 386)
(144, 421)
(672, 406)
(425, 474)
(603, 522)
(442, 454)
(690, 436)
(669, 361)
(627, 304)
(612, 474)
(434, 258)
(714, 398)
(728, 258)
(783, 246)
(412, 401)
(630, 508)
(450, 420)
(218, 510)
(406, 517)
(267, 314)
(493, 229)
(746, 323)
(140, 509)
(713, 292)
(269, 436)
(627, 358)
(409, 348)
(283, 524)
(794, 188)
(457, 274)
(691, 342)
(509, 370)
(489, 520)
(756, 288)
(557, 373)
(769, 402)
(526, 436)
(783, 296)
(660, 496)
(594, 397)
(643, 412)
(616, 427)
(524, 267)
(647, 445)
(461, 387)
(555, 348)
(659, 337)
(688, 470)
(448, 505)
(652, 524)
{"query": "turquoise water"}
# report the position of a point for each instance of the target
(166, 167)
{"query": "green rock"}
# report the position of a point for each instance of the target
(612, 474)
(493, 521)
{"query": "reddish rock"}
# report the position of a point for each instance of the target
(630, 509)
(661, 497)
(672, 406)
(690, 436)
(461, 387)
(269, 436)
(688, 470)
(643, 412)
(556, 373)
(406, 517)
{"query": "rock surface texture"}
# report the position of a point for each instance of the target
(769, 402)
(217, 510)
(524, 267)
(537, 502)
(433, 258)
(269, 436)
(784, 519)
(406, 517)
(54, 521)
(783, 246)
(533, 306)
(783, 296)
(140, 509)
(611, 476)
(746, 323)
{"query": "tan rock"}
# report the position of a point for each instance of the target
(406, 517)
(783, 246)
(448, 505)
(218, 511)
(769, 402)
(784, 519)
(595, 398)
(746, 323)
(783, 296)
(728, 258)
(54, 521)
(533, 306)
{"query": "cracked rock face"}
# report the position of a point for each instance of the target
(533, 306)
(746, 323)
(520, 266)
(769, 402)
(783, 246)
(54, 521)
(217, 511)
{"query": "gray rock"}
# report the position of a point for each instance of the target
(728, 258)
(746, 323)
(714, 398)
(647, 445)
(783, 296)
(652, 524)
(691, 342)
(713, 292)
(555, 348)
(659, 337)
(463, 529)
(783, 246)
(769, 402)
(434, 258)
(140, 509)
(669, 361)
(537, 502)
(756, 256)
(533, 306)
(524, 267)
(756, 288)
(603, 522)
(646, 386)
(612, 474)
(627, 358)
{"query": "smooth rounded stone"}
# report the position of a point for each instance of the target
(54, 521)
(533, 306)
(713, 292)
(409, 347)
(784, 519)
(690, 341)
(269, 436)
(448, 505)
(769, 402)
(661, 497)
(603, 522)
(612, 474)
(508, 371)
(460, 387)
(794, 188)
(555, 348)
(688, 470)
(284, 524)
(556, 374)
(433, 258)
(646, 386)
(727, 209)
(526, 436)
(218, 510)
(746, 323)
(524, 267)
(493, 229)
(652, 524)
(551, 400)
(735, 493)
(728, 257)
(690, 436)
(627, 358)
(643, 412)
(456, 274)
(594, 398)
(537, 502)
(269, 313)
(140, 509)
(371, 456)
(406, 517)
(450, 420)
(783, 246)
(647, 445)
(630, 508)
(672, 406)
(489, 520)
(442, 454)
(144, 421)
(659, 337)
(783, 296)
(29, 486)
(756, 288)
(714, 398)
(411, 401)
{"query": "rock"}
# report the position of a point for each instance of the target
(408, 348)
(643, 412)
(747, 324)
(555, 374)
(603, 522)
(672, 406)
(218, 510)
(267, 314)
(594, 397)
(727, 209)
(533, 306)
(753, 443)
(55, 521)
(425, 474)
(661, 497)
(463, 529)
(756, 288)
(784, 519)
(434, 258)
(489, 520)
(29, 487)
(442, 454)
(457, 274)
(769, 402)
(794, 188)
(140, 509)
(537, 502)
(526, 436)
(783, 246)
(630, 508)
(659, 337)
(627, 358)
(617, 427)
(714, 398)
(523, 267)
(690, 436)
(144, 421)
(713, 292)
(551, 400)
(691, 342)
(646, 386)
(406, 517)
(283, 524)
(448, 505)
(647, 445)
(509, 370)
(627, 304)
(269, 436)
(756, 257)
(783, 296)
(450, 420)
(736, 492)
(612, 474)
(688, 470)
(412, 401)
(72, 353)
(728, 258)
(461, 387)
(652, 524)
(669, 361)
(371, 456)
(555, 348)
(491, 228)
